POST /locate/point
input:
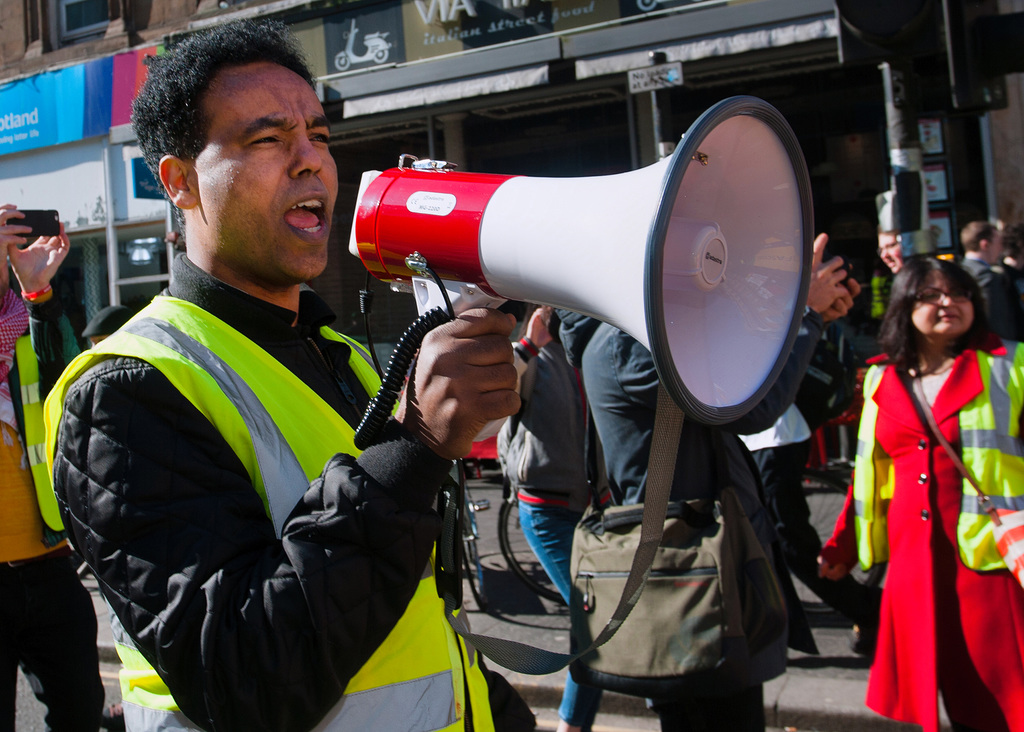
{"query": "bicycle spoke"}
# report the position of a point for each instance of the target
(518, 555)
(473, 569)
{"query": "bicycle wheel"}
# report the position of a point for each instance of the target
(474, 569)
(518, 555)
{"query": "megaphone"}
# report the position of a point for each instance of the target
(703, 257)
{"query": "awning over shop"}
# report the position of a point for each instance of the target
(720, 29)
(721, 45)
(449, 91)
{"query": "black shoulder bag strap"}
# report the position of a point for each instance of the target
(527, 659)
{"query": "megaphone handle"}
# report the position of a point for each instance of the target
(461, 295)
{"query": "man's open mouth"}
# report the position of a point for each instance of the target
(307, 216)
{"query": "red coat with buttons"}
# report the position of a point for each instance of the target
(943, 626)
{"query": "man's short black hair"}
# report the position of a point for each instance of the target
(167, 113)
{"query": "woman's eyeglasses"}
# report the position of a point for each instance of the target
(931, 296)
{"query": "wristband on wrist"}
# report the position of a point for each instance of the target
(33, 296)
(529, 346)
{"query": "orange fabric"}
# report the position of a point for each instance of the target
(21, 526)
(1010, 540)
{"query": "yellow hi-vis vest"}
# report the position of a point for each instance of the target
(35, 431)
(991, 449)
(417, 679)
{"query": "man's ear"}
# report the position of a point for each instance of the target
(178, 179)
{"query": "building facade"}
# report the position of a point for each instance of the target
(533, 87)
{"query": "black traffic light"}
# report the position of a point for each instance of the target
(877, 30)
(981, 46)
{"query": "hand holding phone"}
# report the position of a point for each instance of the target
(43, 222)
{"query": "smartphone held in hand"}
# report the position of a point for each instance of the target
(43, 222)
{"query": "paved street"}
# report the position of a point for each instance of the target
(823, 693)
(30, 712)
(515, 612)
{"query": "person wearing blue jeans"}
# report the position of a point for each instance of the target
(548, 531)
(542, 455)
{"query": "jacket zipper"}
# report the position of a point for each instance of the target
(345, 390)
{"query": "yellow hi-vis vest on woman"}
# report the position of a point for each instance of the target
(34, 431)
(991, 449)
(416, 679)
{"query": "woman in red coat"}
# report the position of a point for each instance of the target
(945, 627)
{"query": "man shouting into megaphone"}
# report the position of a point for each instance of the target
(263, 574)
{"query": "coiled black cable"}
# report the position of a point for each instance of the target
(381, 406)
(365, 307)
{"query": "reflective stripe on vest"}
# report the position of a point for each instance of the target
(35, 431)
(872, 490)
(139, 682)
(995, 434)
(138, 718)
(276, 463)
(254, 402)
(990, 449)
(419, 704)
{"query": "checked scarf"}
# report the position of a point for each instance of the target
(13, 322)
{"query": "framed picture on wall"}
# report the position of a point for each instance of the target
(935, 185)
(942, 226)
(930, 132)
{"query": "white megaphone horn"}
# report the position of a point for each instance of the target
(703, 257)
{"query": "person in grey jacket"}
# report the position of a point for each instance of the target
(542, 456)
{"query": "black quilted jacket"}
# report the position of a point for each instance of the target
(249, 632)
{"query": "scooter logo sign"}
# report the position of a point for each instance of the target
(376, 48)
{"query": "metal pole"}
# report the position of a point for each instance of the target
(655, 121)
(910, 205)
(634, 150)
(169, 227)
(430, 137)
(987, 165)
(656, 57)
(113, 272)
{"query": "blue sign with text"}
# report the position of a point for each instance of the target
(145, 184)
(57, 106)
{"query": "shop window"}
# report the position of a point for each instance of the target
(142, 264)
(82, 19)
